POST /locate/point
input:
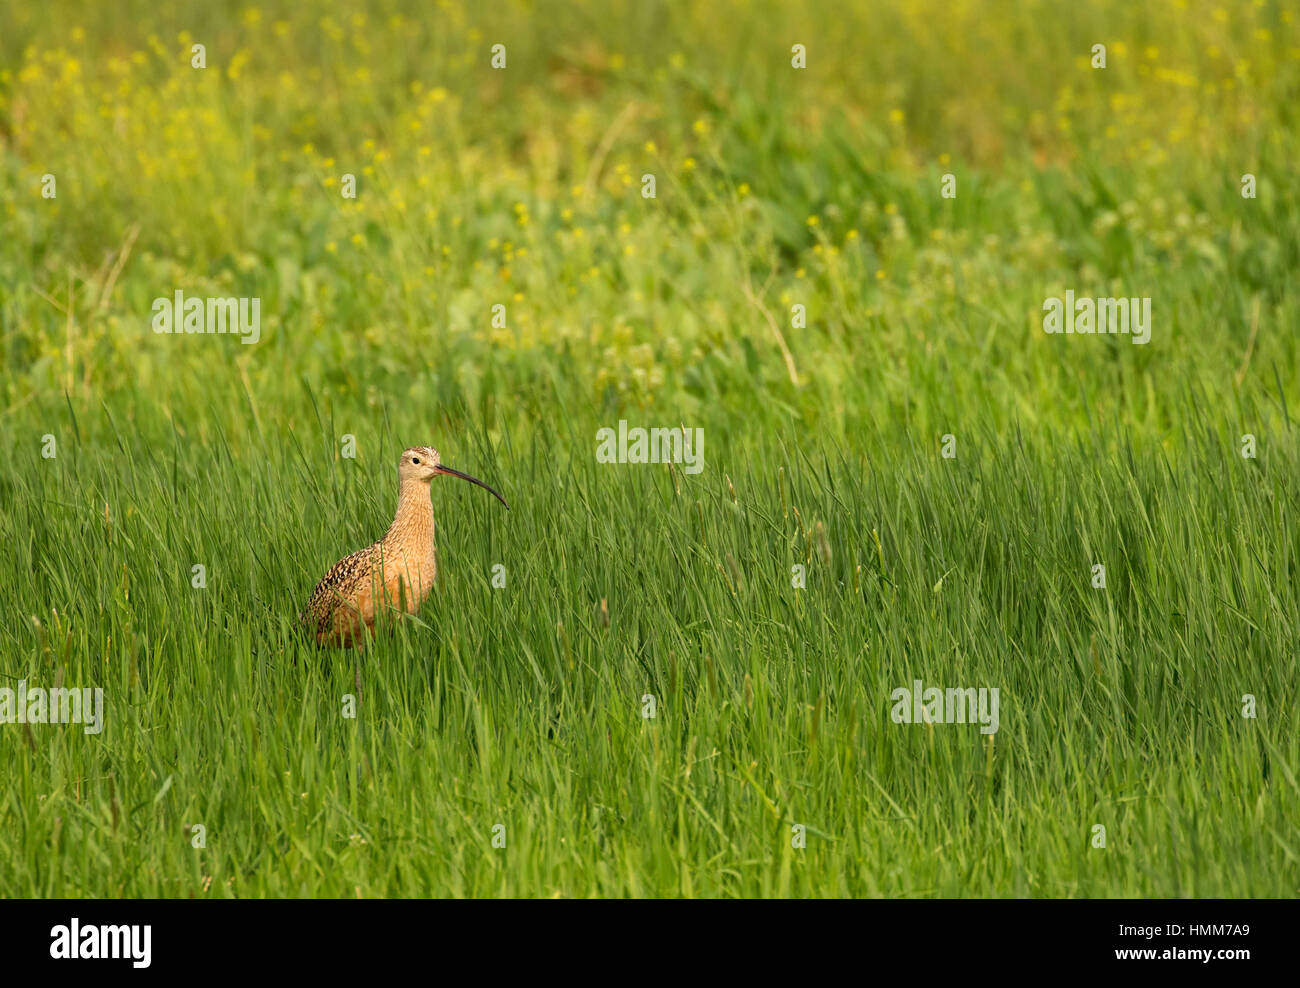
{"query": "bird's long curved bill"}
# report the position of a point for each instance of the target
(473, 480)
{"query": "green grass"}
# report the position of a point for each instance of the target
(522, 706)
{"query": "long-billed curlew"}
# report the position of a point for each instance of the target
(396, 573)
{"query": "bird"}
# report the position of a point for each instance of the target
(394, 573)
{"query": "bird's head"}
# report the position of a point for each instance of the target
(420, 464)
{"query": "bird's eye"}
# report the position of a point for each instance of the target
(415, 459)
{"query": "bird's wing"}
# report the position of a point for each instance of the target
(339, 585)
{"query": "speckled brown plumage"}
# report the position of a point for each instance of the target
(392, 576)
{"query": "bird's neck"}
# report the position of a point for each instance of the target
(412, 526)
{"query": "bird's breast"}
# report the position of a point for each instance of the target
(408, 577)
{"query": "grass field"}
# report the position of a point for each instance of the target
(523, 706)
